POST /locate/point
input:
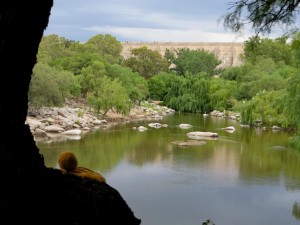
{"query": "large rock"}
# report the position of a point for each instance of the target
(54, 129)
(72, 132)
(202, 134)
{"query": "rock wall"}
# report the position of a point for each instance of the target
(228, 52)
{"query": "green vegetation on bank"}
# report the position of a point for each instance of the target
(265, 89)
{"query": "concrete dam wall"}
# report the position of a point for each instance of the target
(228, 52)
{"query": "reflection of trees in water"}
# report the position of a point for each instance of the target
(265, 164)
(266, 157)
(251, 152)
(247, 135)
(100, 150)
(296, 210)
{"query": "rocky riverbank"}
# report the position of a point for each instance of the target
(76, 118)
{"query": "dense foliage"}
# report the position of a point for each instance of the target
(146, 62)
(193, 61)
(265, 16)
(265, 89)
(90, 70)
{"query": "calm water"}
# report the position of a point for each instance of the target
(246, 177)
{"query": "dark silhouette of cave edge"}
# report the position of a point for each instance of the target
(31, 193)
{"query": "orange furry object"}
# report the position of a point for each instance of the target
(67, 161)
(68, 164)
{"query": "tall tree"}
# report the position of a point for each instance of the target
(106, 46)
(146, 62)
(50, 87)
(76, 62)
(135, 85)
(50, 48)
(89, 77)
(188, 93)
(194, 61)
(108, 95)
(278, 50)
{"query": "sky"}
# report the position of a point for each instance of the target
(142, 20)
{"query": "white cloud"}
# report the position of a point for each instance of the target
(174, 35)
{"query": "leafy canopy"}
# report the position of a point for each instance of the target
(108, 95)
(193, 61)
(146, 62)
(106, 46)
(264, 15)
(49, 86)
(276, 49)
(135, 85)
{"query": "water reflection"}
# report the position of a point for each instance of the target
(249, 176)
(296, 210)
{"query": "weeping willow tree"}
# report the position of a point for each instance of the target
(293, 102)
(188, 93)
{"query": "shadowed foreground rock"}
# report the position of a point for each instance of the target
(31, 193)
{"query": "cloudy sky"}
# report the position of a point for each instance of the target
(142, 20)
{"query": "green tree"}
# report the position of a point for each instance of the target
(158, 85)
(267, 108)
(53, 47)
(246, 113)
(195, 61)
(293, 103)
(108, 95)
(146, 62)
(296, 49)
(50, 48)
(107, 46)
(49, 86)
(222, 94)
(90, 76)
(257, 48)
(200, 89)
(188, 93)
(232, 73)
(135, 85)
(76, 62)
(264, 75)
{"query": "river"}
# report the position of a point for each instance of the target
(249, 176)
